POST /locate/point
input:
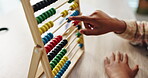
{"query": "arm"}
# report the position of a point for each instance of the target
(100, 23)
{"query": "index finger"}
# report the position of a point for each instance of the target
(80, 18)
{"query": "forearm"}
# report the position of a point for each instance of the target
(136, 32)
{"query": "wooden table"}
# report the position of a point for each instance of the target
(17, 44)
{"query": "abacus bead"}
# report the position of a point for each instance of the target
(51, 22)
(59, 76)
(49, 13)
(76, 22)
(38, 20)
(65, 42)
(43, 17)
(58, 57)
(44, 41)
(48, 37)
(54, 61)
(64, 68)
(64, 50)
(61, 44)
(59, 47)
(62, 62)
(47, 49)
(56, 50)
(78, 27)
(54, 10)
(80, 45)
(61, 73)
(53, 73)
(58, 66)
(52, 65)
(65, 57)
(46, 26)
(61, 55)
(50, 34)
(60, 37)
(53, 43)
(78, 34)
(41, 32)
(54, 40)
(50, 45)
(68, 62)
(57, 69)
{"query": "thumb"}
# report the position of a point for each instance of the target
(135, 70)
(88, 32)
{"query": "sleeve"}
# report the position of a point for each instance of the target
(136, 32)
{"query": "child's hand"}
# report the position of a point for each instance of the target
(100, 23)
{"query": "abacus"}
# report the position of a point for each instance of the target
(57, 54)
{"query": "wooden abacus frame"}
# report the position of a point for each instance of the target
(39, 53)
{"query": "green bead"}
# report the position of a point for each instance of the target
(49, 13)
(58, 56)
(55, 62)
(52, 65)
(54, 10)
(64, 50)
(40, 18)
(46, 16)
(78, 34)
(56, 59)
(70, 1)
(42, 15)
(38, 21)
(61, 54)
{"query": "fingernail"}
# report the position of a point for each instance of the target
(81, 31)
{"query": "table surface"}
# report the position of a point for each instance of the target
(17, 44)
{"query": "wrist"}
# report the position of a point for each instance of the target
(120, 26)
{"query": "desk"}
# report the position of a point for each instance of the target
(17, 44)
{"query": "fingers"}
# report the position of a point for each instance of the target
(106, 61)
(87, 25)
(125, 58)
(135, 70)
(88, 32)
(118, 57)
(81, 18)
(112, 57)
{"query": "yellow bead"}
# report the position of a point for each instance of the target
(46, 26)
(61, 64)
(79, 40)
(54, 72)
(65, 57)
(64, 13)
(41, 32)
(62, 61)
(52, 24)
(58, 66)
(57, 69)
(43, 29)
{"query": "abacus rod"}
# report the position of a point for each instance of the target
(67, 29)
(61, 5)
(71, 33)
(71, 49)
(71, 42)
(57, 18)
(74, 54)
(59, 27)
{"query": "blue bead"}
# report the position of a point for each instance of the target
(58, 75)
(80, 45)
(51, 35)
(68, 62)
(68, 20)
(64, 68)
(48, 37)
(61, 73)
(44, 41)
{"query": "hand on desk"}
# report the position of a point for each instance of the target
(100, 23)
(117, 66)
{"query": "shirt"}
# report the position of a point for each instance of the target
(136, 32)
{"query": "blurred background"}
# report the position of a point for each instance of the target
(139, 7)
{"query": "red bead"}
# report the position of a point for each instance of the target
(50, 45)
(53, 43)
(76, 22)
(48, 49)
(60, 37)
(55, 40)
